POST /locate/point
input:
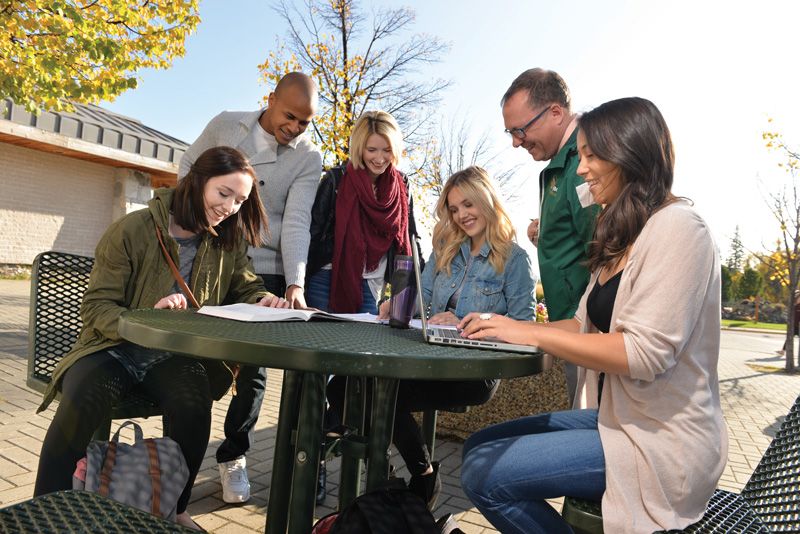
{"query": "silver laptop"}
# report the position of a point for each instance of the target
(450, 336)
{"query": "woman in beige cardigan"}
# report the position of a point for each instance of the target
(648, 438)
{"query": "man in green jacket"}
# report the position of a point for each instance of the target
(537, 115)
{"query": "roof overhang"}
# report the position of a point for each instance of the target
(162, 172)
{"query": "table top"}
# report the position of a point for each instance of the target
(80, 511)
(322, 346)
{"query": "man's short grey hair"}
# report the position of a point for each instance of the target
(542, 87)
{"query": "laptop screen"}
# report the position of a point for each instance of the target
(418, 280)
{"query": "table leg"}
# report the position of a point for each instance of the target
(280, 484)
(355, 408)
(306, 454)
(384, 398)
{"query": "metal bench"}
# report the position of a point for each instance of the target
(58, 283)
(64, 512)
(769, 502)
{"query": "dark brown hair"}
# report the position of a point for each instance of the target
(542, 87)
(188, 202)
(630, 133)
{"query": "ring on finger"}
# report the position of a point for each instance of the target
(485, 316)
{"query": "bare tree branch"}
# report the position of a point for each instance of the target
(361, 63)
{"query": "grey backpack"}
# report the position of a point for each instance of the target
(149, 475)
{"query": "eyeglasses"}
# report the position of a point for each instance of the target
(519, 133)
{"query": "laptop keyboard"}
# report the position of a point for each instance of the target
(447, 333)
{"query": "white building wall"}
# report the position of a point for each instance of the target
(53, 202)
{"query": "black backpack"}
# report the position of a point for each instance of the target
(389, 509)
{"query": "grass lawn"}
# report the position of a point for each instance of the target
(733, 323)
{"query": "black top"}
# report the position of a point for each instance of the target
(600, 304)
(600, 307)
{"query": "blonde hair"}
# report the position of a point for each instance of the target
(375, 122)
(476, 186)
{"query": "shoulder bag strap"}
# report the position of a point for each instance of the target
(155, 475)
(108, 466)
(233, 368)
(175, 272)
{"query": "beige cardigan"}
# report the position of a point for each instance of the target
(662, 430)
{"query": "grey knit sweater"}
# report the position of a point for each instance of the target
(288, 180)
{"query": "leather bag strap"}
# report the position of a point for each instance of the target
(175, 272)
(155, 475)
(234, 368)
(108, 467)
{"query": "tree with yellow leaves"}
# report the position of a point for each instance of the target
(57, 51)
(358, 64)
(784, 204)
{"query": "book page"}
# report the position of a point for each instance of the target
(256, 313)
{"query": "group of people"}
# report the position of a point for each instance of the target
(630, 275)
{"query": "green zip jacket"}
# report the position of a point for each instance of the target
(565, 229)
(130, 272)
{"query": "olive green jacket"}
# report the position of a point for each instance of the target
(130, 272)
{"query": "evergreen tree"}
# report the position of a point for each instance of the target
(727, 282)
(751, 283)
(736, 259)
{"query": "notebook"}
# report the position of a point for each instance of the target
(450, 336)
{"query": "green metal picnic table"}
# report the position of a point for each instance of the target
(308, 351)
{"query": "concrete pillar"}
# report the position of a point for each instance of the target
(132, 191)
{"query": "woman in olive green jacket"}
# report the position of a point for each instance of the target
(205, 225)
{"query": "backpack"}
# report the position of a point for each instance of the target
(149, 475)
(388, 509)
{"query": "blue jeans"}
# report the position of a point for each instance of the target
(511, 468)
(319, 288)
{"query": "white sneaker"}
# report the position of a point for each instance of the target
(235, 486)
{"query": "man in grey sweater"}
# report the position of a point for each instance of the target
(288, 167)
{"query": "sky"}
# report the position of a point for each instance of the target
(718, 71)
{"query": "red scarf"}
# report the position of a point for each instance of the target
(366, 227)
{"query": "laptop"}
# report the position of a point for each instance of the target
(438, 335)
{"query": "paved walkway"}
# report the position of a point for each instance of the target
(754, 401)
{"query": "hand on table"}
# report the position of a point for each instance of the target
(446, 318)
(274, 301)
(383, 311)
(296, 297)
(176, 301)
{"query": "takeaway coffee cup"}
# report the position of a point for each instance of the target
(404, 292)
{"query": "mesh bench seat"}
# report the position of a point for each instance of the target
(769, 502)
(58, 283)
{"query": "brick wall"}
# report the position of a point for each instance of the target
(51, 202)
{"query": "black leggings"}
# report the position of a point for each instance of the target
(416, 396)
(96, 382)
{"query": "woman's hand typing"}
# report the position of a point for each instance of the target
(489, 325)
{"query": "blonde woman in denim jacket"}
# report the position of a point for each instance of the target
(475, 266)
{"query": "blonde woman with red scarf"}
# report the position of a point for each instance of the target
(361, 219)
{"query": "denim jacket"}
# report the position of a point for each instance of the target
(510, 292)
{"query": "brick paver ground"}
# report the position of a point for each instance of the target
(754, 402)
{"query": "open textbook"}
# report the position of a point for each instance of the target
(254, 313)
